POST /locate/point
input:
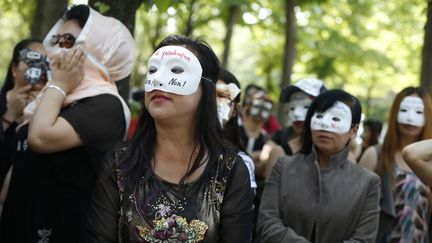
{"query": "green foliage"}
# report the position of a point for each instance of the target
(163, 5)
(102, 7)
(15, 19)
(369, 48)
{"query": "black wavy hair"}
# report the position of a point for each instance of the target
(136, 162)
(322, 103)
(9, 80)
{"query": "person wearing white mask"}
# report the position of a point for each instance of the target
(286, 141)
(177, 181)
(67, 130)
(318, 194)
(228, 98)
(405, 205)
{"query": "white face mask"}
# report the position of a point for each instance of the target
(260, 108)
(336, 119)
(173, 69)
(225, 94)
(411, 111)
(223, 109)
(298, 107)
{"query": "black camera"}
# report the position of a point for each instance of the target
(37, 66)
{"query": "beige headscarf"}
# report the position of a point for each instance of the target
(110, 56)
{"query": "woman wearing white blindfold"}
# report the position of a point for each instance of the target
(319, 195)
(405, 204)
(176, 181)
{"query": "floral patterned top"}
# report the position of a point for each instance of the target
(217, 207)
(412, 209)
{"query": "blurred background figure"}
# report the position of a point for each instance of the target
(255, 113)
(287, 141)
(228, 93)
(27, 73)
(136, 105)
(370, 136)
(271, 125)
(405, 205)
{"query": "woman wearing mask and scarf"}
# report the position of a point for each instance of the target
(75, 120)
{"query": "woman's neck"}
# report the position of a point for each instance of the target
(175, 152)
(323, 160)
(252, 128)
(175, 141)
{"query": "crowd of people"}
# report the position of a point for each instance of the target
(207, 161)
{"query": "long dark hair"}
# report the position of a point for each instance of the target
(322, 103)
(9, 80)
(231, 130)
(136, 162)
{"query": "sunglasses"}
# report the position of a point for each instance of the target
(64, 41)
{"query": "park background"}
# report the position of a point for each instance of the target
(372, 49)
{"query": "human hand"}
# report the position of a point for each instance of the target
(34, 92)
(67, 69)
(17, 99)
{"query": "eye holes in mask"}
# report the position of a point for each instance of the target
(306, 107)
(152, 70)
(405, 110)
(175, 70)
(320, 116)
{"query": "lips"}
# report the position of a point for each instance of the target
(323, 136)
(158, 97)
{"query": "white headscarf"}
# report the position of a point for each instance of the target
(110, 51)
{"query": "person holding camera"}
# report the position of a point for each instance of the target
(25, 77)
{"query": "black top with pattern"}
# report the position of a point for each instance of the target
(217, 207)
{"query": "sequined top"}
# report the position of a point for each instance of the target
(216, 207)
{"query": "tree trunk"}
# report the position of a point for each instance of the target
(233, 14)
(289, 52)
(123, 10)
(46, 15)
(426, 68)
(368, 100)
(189, 22)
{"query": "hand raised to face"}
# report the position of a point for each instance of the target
(67, 68)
